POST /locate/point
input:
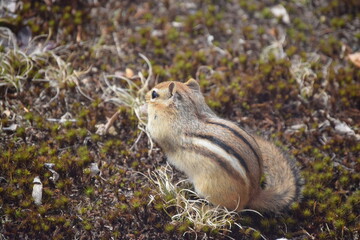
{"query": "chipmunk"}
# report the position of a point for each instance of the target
(224, 162)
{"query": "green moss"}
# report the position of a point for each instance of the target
(306, 213)
(136, 203)
(337, 22)
(266, 13)
(61, 202)
(182, 228)
(256, 235)
(87, 226)
(330, 46)
(89, 191)
(169, 228)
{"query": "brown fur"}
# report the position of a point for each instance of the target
(224, 162)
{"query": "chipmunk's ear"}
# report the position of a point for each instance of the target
(172, 89)
(193, 85)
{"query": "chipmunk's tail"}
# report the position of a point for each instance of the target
(282, 181)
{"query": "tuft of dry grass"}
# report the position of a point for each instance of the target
(15, 64)
(189, 206)
(59, 73)
(304, 75)
(275, 49)
(36, 61)
(129, 94)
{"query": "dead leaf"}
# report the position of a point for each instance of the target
(355, 58)
(273, 32)
(129, 73)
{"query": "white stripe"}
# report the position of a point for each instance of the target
(234, 162)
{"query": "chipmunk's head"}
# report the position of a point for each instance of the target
(173, 105)
(172, 98)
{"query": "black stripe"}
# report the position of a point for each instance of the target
(198, 114)
(218, 159)
(224, 146)
(179, 96)
(241, 137)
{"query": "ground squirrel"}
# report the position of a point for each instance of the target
(223, 161)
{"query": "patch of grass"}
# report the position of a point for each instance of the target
(185, 206)
(16, 66)
(131, 94)
(35, 63)
(304, 75)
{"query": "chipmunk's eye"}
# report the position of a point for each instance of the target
(154, 94)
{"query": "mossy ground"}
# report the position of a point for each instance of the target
(301, 92)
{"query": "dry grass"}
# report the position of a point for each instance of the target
(304, 75)
(36, 61)
(189, 206)
(16, 64)
(127, 93)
